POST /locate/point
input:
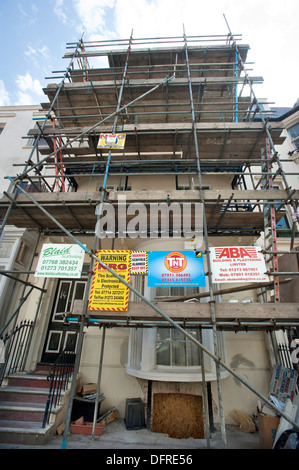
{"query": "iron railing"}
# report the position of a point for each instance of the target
(59, 375)
(16, 345)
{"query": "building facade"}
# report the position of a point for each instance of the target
(192, 135)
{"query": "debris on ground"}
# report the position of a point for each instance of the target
(80, 426)
(107, 417)
(244, 421)
(272, 426)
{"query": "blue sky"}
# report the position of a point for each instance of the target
(35, 32)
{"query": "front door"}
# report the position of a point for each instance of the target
(60, 335)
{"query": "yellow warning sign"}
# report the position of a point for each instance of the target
(107, 292)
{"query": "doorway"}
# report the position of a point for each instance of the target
(60, 335)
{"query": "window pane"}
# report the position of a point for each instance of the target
(173, 291)
(178, 354)
(163, 353)
(283, 224)
(54, 341)
(177, 291)
(162, 292)
(296, 143)
(70, 342)
(294, 131)
(79, 290)
(178, 335)
(193, 354)
(163, 334)
(136, 347)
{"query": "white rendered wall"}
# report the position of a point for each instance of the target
(15, 122)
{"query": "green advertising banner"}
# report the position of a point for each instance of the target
(60, 260)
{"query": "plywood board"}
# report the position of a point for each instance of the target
(178, 415)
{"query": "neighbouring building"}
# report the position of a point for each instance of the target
(16, 242)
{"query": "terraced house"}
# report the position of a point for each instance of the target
(156, 162)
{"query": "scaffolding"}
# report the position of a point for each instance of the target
(180, 101)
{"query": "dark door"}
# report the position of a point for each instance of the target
(61, 335)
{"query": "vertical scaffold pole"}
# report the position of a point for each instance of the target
(99, 213)
(205, 231)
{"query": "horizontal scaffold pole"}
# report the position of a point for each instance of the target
(224, 325)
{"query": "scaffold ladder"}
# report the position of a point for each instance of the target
(270, 230)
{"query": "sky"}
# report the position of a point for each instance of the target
(35, 34)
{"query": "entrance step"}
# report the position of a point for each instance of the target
(28, 380)
(20, 411)
(24, 433)
(23, 400)
(24, 394)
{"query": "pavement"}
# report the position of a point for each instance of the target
(115, 436)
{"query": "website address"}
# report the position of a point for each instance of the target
(58, 274)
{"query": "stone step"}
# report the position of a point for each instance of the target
(16, 411)
(28, 380)
(24, 433)
(23, 399)
(24, 394)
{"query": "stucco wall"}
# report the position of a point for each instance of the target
(15, 121)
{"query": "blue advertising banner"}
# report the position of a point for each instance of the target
(175, 268)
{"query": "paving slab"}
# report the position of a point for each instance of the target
(115, 436)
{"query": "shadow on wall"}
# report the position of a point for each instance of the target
(239, 360)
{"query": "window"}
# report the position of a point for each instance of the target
(116, 187)
(33, 186)
(173, 347)
(282, 225)
(294, 134)
(138, 282)
(41, 142)
(176, 349)
(191, 185)
(163, 352)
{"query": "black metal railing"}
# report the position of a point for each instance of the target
(16, 345)
(59, 375)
